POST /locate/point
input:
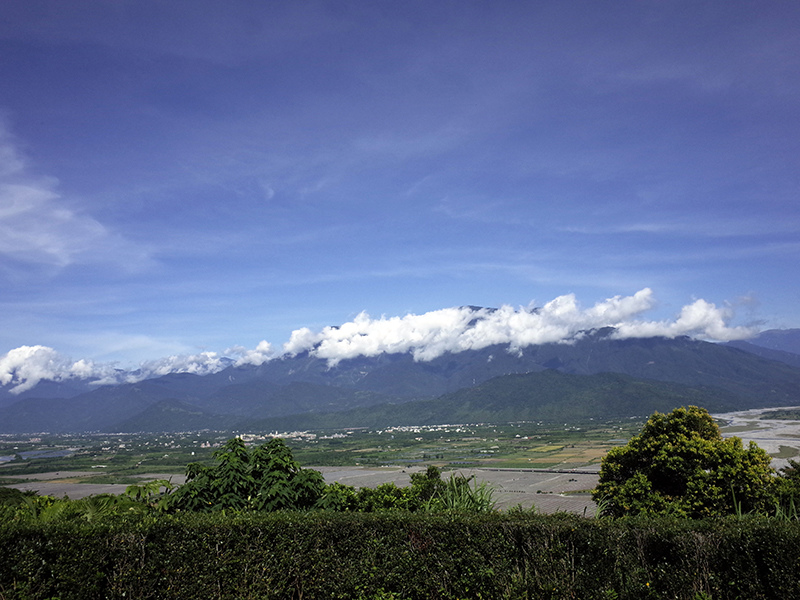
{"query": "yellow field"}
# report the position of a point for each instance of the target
(547, 448)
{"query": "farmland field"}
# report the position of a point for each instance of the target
(550, 466)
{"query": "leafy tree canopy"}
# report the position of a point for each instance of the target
(264, 478)
(788, 488)
(680, 464)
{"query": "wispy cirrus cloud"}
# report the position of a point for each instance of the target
(38, 226)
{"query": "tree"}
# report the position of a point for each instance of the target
(428, 484)
(150, 494)
(680, 464)
(266, 478)
(281, 482)
(788, 490)
(386, 496)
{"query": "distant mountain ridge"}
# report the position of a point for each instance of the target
(784, 340)
(299, 389)
(779, 355)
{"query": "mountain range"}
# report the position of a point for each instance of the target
(595, 376)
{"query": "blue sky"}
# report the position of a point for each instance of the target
(189, 176)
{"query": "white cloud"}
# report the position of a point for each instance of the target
(38, 226)
(26, 366)
(255, 357)
(301, 340)
(561, 320)
(425, 336)
(10, 160)
(700, 319)
(203, 363)
(34, 229)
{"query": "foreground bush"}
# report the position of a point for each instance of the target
(398, 555)
(267, 478)
(681, 465)
(263, 478)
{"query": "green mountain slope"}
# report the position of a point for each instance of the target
(174, 415)
(545, 396)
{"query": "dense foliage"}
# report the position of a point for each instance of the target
(267, 478)
(680, 464)
(393, 555)
(264, 478)
(261, 479)
(787, 490)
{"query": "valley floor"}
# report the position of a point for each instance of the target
(548, 490)
(779, 437)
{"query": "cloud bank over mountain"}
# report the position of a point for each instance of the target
(431, 334)
(425, 336)
(24, 367)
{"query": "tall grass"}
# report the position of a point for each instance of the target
(458, 495)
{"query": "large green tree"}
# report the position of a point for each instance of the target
(264, 478)
(680, 464)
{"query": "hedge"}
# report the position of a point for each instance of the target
(399, 555)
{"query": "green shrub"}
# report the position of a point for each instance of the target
(398, 555)
(680, 464)
(457, 494)
(265, 478)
